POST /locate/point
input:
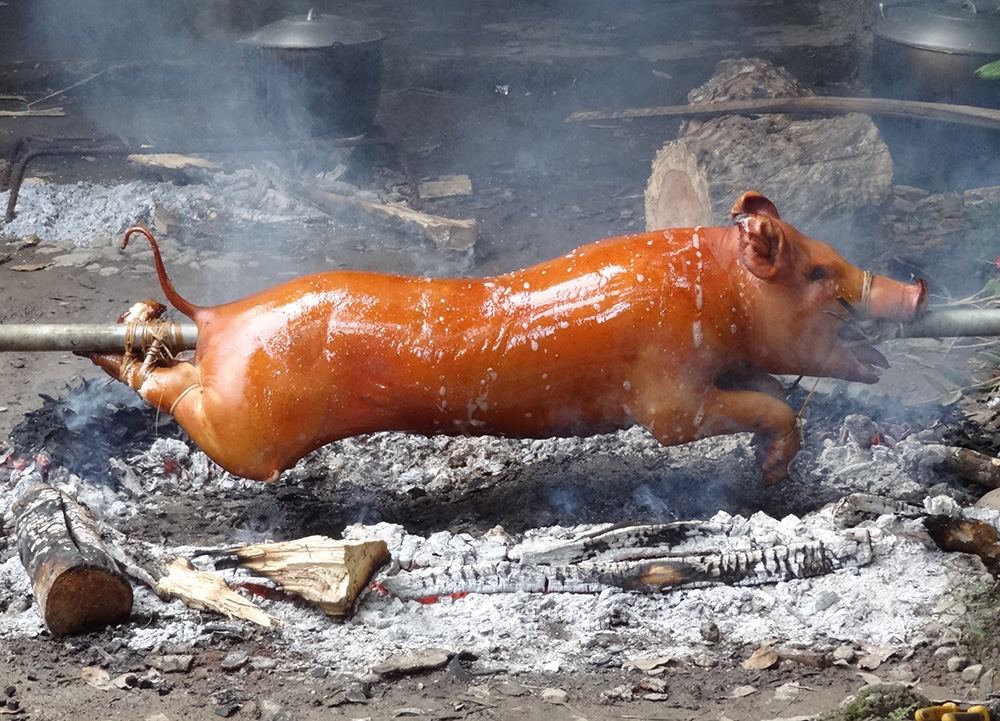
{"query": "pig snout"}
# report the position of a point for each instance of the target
(897, 301)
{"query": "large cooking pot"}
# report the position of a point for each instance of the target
(316, 74)
(930, 51)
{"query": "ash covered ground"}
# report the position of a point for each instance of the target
(911, 614)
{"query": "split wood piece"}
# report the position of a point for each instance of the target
(944, 112)
(743, 568)
(203, 590)
(171, 160)
(446, 186)
(78, 586)
(328, 573)
(173, 576)
(446, 233)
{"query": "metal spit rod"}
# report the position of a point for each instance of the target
(953, 323)
(177, 337)
(108, 338)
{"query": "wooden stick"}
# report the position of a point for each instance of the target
(77, 584)
(944, 112)
(48, 113)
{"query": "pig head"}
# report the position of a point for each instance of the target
(676, 330)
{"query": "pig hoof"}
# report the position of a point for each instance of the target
(779, 455)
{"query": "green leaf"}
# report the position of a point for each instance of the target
(993, 286)
(952, 375)
(990, 71)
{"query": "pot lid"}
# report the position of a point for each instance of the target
(313, 30)
(946, 28)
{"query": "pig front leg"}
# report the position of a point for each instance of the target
(715, 412)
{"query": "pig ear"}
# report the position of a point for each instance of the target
(762, 244)
(753, 203)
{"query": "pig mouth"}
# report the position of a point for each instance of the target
(855, 341)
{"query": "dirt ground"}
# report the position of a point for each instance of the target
(542, 188)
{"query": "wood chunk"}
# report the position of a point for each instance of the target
(974, 466)
(171, 160)
(446, 186)
(446, 233)
(77, 585)
(718, 159)
(321, 570)
(199, 589)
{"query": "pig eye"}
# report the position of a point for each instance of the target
(819, 273)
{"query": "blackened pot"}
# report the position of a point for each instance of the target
(316, 75)
(929, 51)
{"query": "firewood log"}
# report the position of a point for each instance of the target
(78, 586)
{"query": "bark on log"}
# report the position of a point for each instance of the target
(328, 573)
(78, 586)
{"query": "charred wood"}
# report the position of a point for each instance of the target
(668, 572)
(78, 586)
(974, 466)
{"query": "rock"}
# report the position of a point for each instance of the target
(424, 660)
(554, 695)
(356, 693)
(844, 652)
(990, 500)
(710, 632)
(509, 688)
(234, 660)
(971, 673)
(171, 662)
(956, 663)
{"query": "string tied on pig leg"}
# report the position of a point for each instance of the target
(173, 406)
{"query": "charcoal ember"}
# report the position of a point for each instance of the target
(92, 423)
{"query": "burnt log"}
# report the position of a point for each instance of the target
(78, 586)
(668, 572)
